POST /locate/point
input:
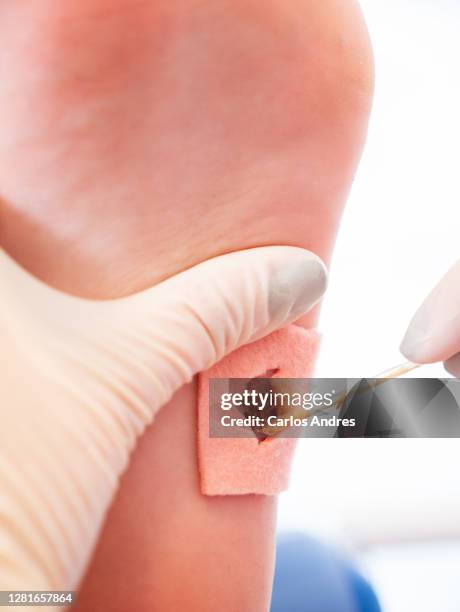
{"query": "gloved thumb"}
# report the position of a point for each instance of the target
(144, 347)
(192, 320)
(81, 379)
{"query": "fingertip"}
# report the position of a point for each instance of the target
(434, 332)
(297, 284)
(452, 365)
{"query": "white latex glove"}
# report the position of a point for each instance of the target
(81, 379)
(434, 332)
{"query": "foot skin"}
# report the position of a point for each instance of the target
(170, 132)
(139, 138)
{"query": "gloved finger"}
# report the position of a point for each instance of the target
(434, 332)
(148, 345)
(452, 365)
(192, 320)
(100, 370)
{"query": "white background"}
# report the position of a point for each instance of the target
(400, 234)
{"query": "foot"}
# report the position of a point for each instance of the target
(139, 138)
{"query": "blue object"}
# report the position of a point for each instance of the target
(313, 577)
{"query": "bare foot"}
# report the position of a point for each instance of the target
(139, 138)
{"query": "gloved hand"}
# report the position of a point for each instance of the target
(434, 332)
(81, 379)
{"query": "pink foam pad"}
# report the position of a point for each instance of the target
(239, 466)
